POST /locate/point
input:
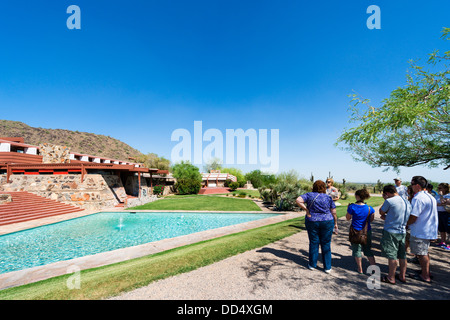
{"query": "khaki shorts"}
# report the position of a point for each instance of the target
(419, 246)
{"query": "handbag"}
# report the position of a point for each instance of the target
(359, 236)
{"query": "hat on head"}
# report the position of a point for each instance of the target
(398, 178)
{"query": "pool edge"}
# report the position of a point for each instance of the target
(21, 277)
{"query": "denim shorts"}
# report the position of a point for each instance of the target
(419, 246)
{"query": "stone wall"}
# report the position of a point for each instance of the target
(54, 154)
(5, 198)
(143, 199)
(96, 192)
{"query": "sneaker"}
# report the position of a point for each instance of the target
(442, 245)
(311, 268)
(328, 271)
(447, 248)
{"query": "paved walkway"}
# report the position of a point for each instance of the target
(279, 271)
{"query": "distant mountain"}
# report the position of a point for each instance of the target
(80, 142)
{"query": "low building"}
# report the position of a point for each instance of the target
(215, 179)
(87, 181)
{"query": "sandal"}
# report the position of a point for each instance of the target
(418, 277)
(397, 277)
(385, 279)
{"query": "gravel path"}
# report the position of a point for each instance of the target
(279, 271)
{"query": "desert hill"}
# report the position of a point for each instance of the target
(81, 142)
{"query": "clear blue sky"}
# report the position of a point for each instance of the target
(138, 70)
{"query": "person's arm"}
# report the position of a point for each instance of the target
(411, 220)
(372, 213)
(415, 212)
(335, 194)
(382, 214)
(333, 213)
(443, 201)
(384, 209)
(348, 216)
(301, 203)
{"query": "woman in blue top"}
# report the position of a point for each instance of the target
(320, 220)
(359, 212)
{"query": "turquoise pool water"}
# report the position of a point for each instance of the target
(105, 231)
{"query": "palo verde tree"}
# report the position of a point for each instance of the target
(189, 179)
(412, 126)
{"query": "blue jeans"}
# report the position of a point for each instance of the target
(320, 232)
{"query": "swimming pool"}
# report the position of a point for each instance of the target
(103, 232)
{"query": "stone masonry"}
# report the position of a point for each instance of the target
(94, 193)
(54, 154)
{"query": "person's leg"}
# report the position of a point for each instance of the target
(403, 266)
(358, 261)
(420, 248)
(325, 234)
(367, 249)
(425, 265)
(401, 255)
(392, 268)
(442, 228)
(313, 236)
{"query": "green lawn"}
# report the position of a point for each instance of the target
(113, 279)
(200, 202)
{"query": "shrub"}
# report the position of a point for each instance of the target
(158, 190)
(187, 186)
(233, 185)
(282, 195)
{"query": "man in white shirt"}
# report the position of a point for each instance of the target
(423, 223)
(401, 189)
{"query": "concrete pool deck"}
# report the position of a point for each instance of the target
(21, 277)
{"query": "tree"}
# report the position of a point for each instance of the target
(186, 170)
(412, 127)
(213, 164)
(152, 160)
(189, 179)
(237, 173)
(259, 179)
(290, 177)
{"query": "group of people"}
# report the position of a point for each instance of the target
(412, 217)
